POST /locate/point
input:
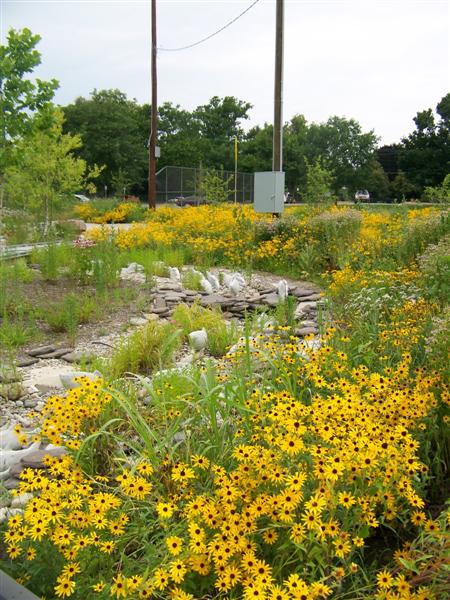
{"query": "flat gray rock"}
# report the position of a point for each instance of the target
(302, 291)
(174, 297)
(308, 323)
(162, 312)
(39, 350)
(302, 331)
(34, 460)
(172, 286)
(27, 361)
(21, 501)
(12, 483)
(311, 297)
(56, 353)
(212, 299)
(16, 470)
(159, 303)
(271, 299)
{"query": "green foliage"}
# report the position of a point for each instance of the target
(191, 280)
(220, 334)
(18, 331)
(53, 260)
(435, 266)
(145, 350)
(333, 232)
(67, 314)
(401, 187)
(114, 132)
(45, 169)
(17, 271)
(20, 96)
(319, 182)
(438, 194)
(424, 153)
(214, 187)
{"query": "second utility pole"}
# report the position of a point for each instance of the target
(154, 122)
(277, 160)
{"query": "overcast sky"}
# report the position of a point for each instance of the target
(376, 61)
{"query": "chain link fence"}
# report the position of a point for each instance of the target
(177, 182)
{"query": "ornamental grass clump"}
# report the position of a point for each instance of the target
(221, 335)
(145, 350)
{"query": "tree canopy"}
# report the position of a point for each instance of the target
(20, 96)
(115, 132)
(425, 154)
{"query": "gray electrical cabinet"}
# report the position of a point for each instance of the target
(269, 192)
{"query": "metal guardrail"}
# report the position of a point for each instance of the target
(19, 250)
(11, 590)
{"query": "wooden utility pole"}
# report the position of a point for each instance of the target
(154, 122)
(277, 160)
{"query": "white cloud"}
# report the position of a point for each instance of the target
(379, 62)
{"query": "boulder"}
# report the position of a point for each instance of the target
(78, 356)
(67, 380)
(138, 321)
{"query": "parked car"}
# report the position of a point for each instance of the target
(189, 200)
(362, 196)
(81, 198)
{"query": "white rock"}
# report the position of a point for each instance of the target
(304, 308)
(235, 286)
(6, 513)
(47, 378)
(21, 501)
(68, 382)
(174, 274)
(206, 286)
(4, 474)
(213, 280)
(227, 277)
(282, 289)
(12, 457)
(9, 440)
(133, 272)
(198, 339)
(138, 321)
(32, 389)
(240, 278)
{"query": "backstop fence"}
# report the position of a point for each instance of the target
(174, 182)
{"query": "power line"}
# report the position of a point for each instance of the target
(212, 34)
